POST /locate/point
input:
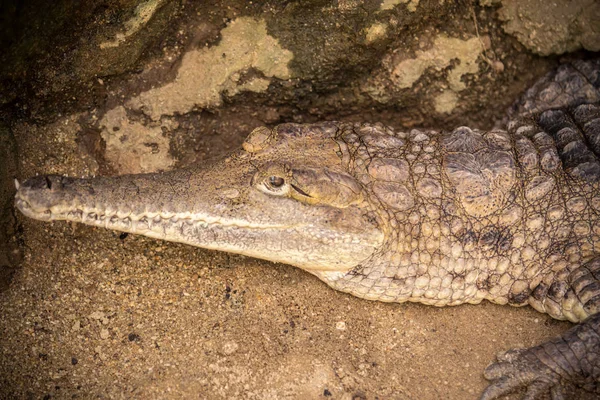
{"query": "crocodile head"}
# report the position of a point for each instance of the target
(285, 197)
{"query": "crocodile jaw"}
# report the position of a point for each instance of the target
(158, 207)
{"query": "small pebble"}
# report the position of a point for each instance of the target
(97, 315)
(133, 337)
(230, 347)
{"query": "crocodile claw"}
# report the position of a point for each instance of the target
(521, 368)
(557, 366)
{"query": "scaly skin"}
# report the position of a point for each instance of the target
(441, 218)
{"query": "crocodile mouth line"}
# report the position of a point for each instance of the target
(146, 223)
(188, 228)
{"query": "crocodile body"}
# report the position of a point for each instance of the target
(442, 218)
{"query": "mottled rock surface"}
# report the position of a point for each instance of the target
(10, 254)
(554, 27)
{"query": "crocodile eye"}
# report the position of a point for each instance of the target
(276, 181)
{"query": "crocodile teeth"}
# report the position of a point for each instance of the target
(75, 214)
(125, 222)
(92, 216)
(157, 223)
(143, 224)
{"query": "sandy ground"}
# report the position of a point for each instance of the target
(94, 314)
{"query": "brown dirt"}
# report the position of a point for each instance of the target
(96, 314)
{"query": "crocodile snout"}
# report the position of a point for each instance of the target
(38, 195)
(45, 182)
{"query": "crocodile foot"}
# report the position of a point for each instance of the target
(520, 368)
(556, 366)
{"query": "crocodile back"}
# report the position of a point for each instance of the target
(473, 215)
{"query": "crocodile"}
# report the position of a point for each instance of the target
(438, 217)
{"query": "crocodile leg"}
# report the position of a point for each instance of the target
(571, 359)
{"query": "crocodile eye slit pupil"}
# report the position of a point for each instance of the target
(276, 181)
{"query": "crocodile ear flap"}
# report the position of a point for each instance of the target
(321, 186)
